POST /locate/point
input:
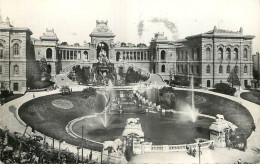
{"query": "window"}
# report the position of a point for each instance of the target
(16, 87)
(208, 69)
(49, 53)
(220, 69)
(162, 55)
(198, 69)
(85, 54)
(228, 54)
(75, 55)
(236, 54)
(245, 69)
(193, 54)
(16, 49)
(71, 55)
(1, 51)
(178, 68)
(1, 71)
(191, 69)
(236, 69)
(245, 53)
(142, 55)
(208, 54)
(181, 68)
(220, 53)
(163, 68)
(228, 69)
(198, 53)
(16, 70)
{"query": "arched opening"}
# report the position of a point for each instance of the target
(198, 69)
(1, 51)
(245, 53)
(228, 54)
(102, 50)
(16, 49)
(208, 83)
(162, 55)
(191, 69)
(49, 69)
(236, 54)
(198, 53)
(208, 69)
(220, 53)
(85, 54)
(208, 53)
(117, 56)
(49, 53)
(220, 69)
(163, 68)
(228, 69)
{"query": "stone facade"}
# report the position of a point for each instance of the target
(17, 61)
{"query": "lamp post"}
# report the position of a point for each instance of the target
(199, 145)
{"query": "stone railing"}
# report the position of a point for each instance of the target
(171, 148)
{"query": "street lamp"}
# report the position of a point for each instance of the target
(199, 145)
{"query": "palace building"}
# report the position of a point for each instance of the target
(208, 57)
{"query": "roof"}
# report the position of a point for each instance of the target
(222, 33)
(8, 27)
(159, 37)
(102, 30)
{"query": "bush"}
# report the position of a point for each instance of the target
(87, 92)
(41, 84)
(224, 88)
(65, 90)
(248, 87)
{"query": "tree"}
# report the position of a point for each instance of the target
(65, 90)
(64, 44)
(123, 44)
(141, 45)
(45, 75)
(87, 92)
(225, 89)
(76, 44)
(233, 78)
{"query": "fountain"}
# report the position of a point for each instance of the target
(193, 111)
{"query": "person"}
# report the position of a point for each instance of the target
(33, 95)
(194, 152)
(254, 127)
(239, 161)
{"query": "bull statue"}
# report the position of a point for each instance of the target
(112, 146)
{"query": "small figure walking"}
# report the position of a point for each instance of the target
(254, 127)
(33, 95)
(239, 161)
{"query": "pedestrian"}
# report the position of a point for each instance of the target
(254, 127)
(239, 161)
(33, 95)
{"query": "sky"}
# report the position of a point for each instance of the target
(74, 20)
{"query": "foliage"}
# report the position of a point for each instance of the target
(76, 44)
(41, 84)
(83, 75)
(45, 74)
(141, 45)
(123, 44)
(64, 44)
(233, 78)
(30, 81)
(224, 88)
(167, 97)
(134, 76)
(64, 90)
(87, 92)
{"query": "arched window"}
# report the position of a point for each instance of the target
(163, 68)
(117, 56)
(228, 54)
(85, 54)
(1, 71)
(220, 69)
(198, 53)
(245, 53)
(162, 55)
(16, 49)
(49, 53)
(220, 53)
(1, 51)
(245, 69)
(16, 69)
(236, 54)
(208, 52)
(208, 69)
(228, 69)
(236, 69)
